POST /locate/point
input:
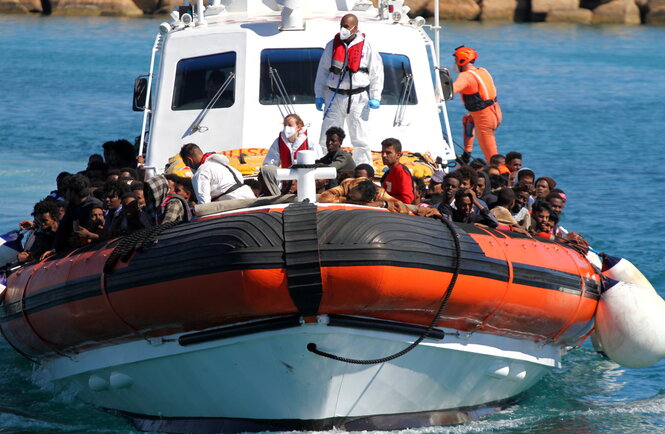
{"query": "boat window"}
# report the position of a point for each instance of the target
(396, 69)
(198, 79)
(297, 70)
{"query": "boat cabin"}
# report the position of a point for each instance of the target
(225, 79)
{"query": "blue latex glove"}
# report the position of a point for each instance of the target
(319, 104)
(374, 103)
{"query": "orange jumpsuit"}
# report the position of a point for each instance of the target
(479, 95)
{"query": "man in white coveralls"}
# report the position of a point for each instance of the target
(349, 82)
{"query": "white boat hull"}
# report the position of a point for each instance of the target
(270, 380)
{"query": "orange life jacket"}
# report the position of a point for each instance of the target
(339, 54)
(285, 152)
(486, 95)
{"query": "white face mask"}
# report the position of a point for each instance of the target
(290, 131)
(344, 33)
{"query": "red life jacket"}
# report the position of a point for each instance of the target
(285, 152)
(339, 54)
(205, 157)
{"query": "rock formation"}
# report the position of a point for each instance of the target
(576, 16)
(655, 12)
(617, 12)
(498, 10)
(97, 7)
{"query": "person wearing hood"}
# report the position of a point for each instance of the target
(349, 82)
(214, 179)
(289, 142)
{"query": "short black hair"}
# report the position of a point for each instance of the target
(454, 175)
(136, 185)
(336, 130)
(128, 195)
(186, 183)
(554, 217)
(510, 156)
(468, 173)
(188, 150)
(46, 206)
(116, 187)
(132, 172)
(540, 206)
(420, 185)
(391, 141)
(497, 181)
(464, 193)
(505, 196)
(367, 167)
(78, 184)
(494, 159)
(367, 190)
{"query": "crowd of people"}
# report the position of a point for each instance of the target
(111, 199)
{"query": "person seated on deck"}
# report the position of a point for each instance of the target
(363, 171)
(95, 229)
(113, 192)
(397, 180)
(420, 192)
(59, 193)
(79, 209)
(513, 163)
(214, 179)
(337, 157)
(520, 210)
(291, 140)
(540, 216)
(465, 200)
(136, 187)
(469, 181)
(550, 227)
(184, 188)
(499, 161)
(544, 186)
(129, 173)
(504, 204)
(45, 215)
(131, 219)
(381, 199)
(162, 204)
(451, 184)
(497, 182)
(484, 189)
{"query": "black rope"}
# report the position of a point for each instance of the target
(311, 347)
(133, 242)
(303, 166)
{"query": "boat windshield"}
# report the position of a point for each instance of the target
(296, 68)
(198, 79)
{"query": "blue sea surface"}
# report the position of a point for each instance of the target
(584, 104)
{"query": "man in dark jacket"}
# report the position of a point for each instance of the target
(336, 156)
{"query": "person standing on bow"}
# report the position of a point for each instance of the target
(479, 97)
(291, 140)
(348, 83)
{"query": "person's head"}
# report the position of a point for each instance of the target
(419, 189)
(136, 187)
(119, 153)
(464, 56)
(363, 171)
(526, 175)
(464, 203)
(506, 198)
(541, 213)
(183, 187)
(348, 27)
(95, 160)
(451, 184)
(96, 218)
(551, 223)
(481, 184)
(130, 205)
(514, 161)
(77, 188)
(113, 192)
(560, 193)
(113, 175)
(469, 177)
(128, 172)
(478, 164)
(255, 185)
(497, 160)
(191, 155)
(47, 215)
(363, 192)
(171, 178)
(60, 181)
(497, 182)
(544, 186)
(334, 138)
(293, 126)
(391, 151)
(492, 170)
(556, 202)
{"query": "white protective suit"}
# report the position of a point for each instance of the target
(358, 116)
(214, 177)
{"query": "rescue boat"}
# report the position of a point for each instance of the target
(284, 313)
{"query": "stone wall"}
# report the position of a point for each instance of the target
(552, 11)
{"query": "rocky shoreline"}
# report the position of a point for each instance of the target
(631, 12)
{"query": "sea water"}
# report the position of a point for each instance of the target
(584, 104)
